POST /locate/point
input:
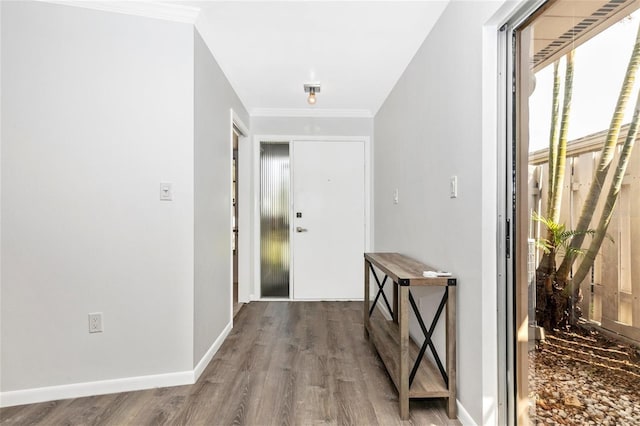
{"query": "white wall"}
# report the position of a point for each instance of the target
(0, 186)
(97, 110)
(213, 99)
(429, 129)
(309, 126)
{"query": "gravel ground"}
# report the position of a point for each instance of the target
(583, 378)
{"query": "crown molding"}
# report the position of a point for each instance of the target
(146, 8)
(311, 112)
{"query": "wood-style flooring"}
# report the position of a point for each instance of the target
(285, 363)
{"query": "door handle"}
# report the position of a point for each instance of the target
(301, 229)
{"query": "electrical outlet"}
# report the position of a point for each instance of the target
(95, 322)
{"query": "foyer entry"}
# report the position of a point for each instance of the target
(312, 219)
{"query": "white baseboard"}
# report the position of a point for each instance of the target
(464, 416)
(323, 300)
(206, 359)
(103, 387)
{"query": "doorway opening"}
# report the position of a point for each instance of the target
(566, 80)
(239, 222)
(235, 243)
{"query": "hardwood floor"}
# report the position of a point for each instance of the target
(236, 309)
(289, 363)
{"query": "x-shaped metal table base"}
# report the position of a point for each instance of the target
(428, 343)
(421, 381)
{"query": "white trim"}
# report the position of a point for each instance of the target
(463, 415)
(492, 400)
(103, 387)
(245, 179)
(231, 213)
(206, 359)
(292, 248)
(256, 291)
(235, 119)
(148, 9)
(497, 387)
(311, 112)
(330, 299)
(314, 138)
(368, 194)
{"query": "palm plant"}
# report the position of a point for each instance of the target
(552, 307)
(561, 292)
(557, 153)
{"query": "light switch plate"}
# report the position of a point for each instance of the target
(453, 187)
(166, 191)
(395, 196)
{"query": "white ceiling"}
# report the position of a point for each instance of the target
(357, 50)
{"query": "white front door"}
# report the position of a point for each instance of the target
(328, 219)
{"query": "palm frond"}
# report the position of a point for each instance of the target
(561, 237)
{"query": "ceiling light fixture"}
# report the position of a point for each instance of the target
(312, 89)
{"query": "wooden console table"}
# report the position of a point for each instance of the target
(391, 338)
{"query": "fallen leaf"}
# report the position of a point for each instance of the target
(572, 401)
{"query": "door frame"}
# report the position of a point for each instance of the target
(368, 176)
(514, 115)
(237, 125)
(512, 296)
(499, 108)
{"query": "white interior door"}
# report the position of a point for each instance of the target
(328, 219)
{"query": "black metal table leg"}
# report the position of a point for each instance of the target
(380, 292)
(427, 337)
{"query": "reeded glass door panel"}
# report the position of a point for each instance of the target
(274, 219)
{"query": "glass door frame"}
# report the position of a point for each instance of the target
(512, 263)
